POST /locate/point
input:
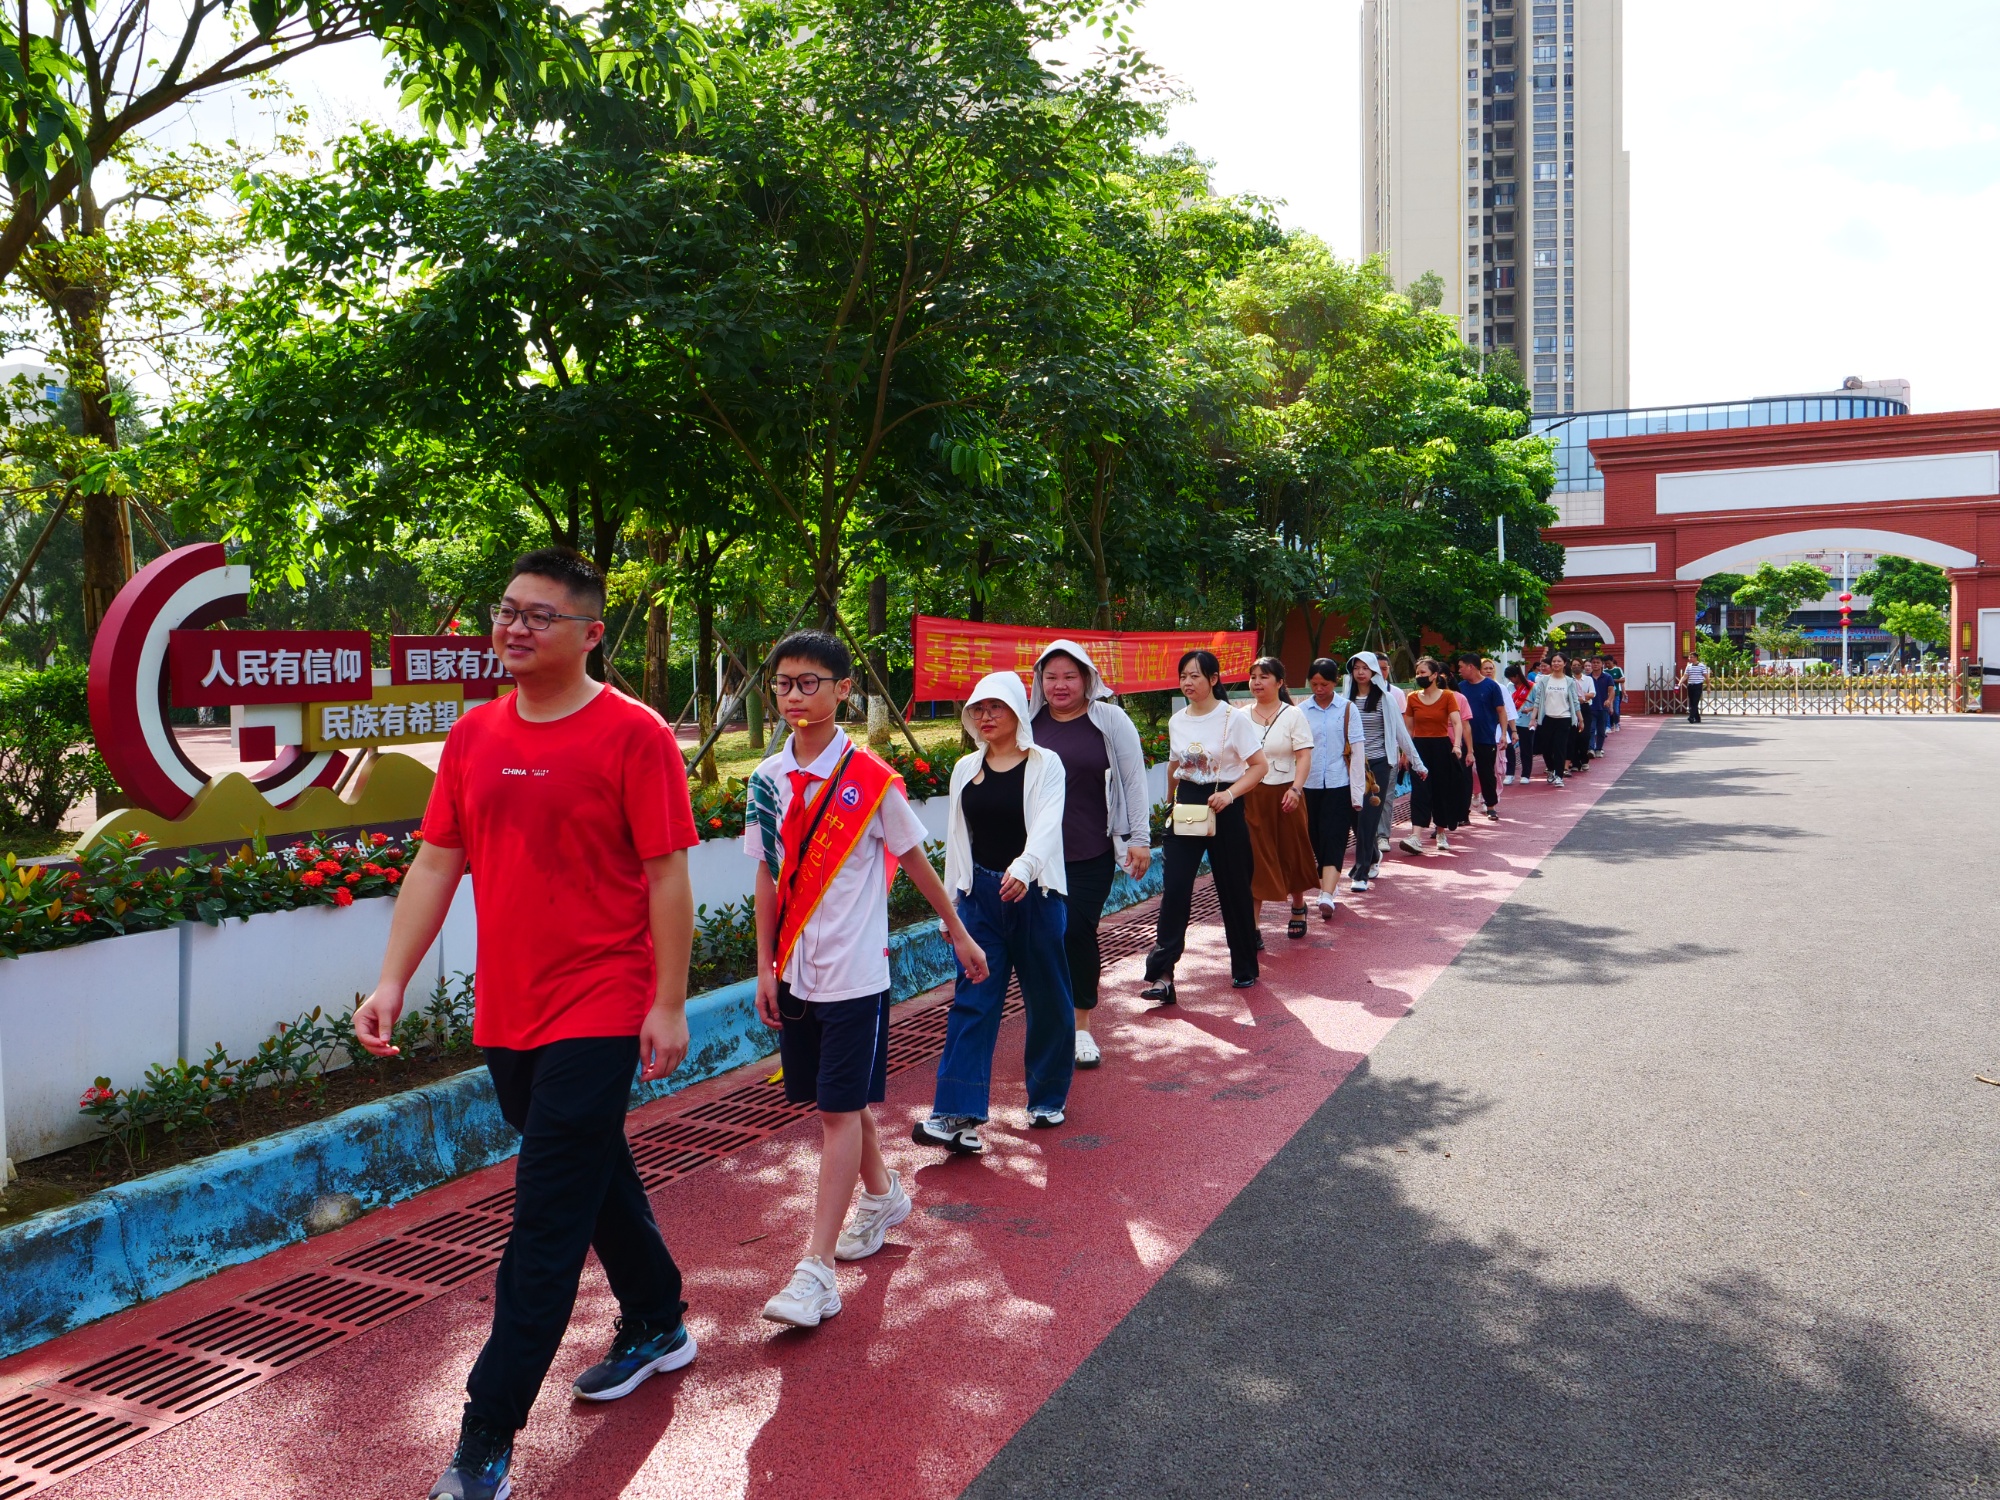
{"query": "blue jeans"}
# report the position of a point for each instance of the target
(1600, 723)
(1024, 937)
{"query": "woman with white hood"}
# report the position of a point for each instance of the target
(1003, 864)
(1386, 746)
(1107, 804)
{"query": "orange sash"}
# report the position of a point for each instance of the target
(840, 813)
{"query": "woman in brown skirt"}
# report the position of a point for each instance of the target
(1280, 837)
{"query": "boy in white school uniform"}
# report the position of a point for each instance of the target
(824, 817)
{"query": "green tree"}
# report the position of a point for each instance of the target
(1922, 622)
(1903, 580)
(1775, 592)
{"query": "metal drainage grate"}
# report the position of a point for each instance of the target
(64, 1425)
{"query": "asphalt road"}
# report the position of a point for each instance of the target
(1677, 1183)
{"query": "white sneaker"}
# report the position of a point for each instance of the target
(873, 1219)
(1357, 885)
(1328, 905)
(1087, 1055)
(1506, 781)
(1413, 844)
(956, 1133)
(811, 1297)
(1444, 844)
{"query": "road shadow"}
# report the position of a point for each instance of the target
(1326, 1337)
(1528, 946)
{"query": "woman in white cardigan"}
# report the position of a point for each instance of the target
(1003, 864)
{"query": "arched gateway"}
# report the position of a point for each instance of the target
(1679, 507)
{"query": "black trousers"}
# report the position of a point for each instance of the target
(1579, 741)
(1522, 763)
(1089, 883)
(1694, 702)
(575, 1190)
(1483, 757)
(1232, 864)
(1377, 811)
(1334, 819)
(1552, 741)
(1439, 797)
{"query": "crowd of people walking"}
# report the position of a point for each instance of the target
(571, 800)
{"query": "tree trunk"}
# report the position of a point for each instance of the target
(659, 628)
(704, 670)
(879, 707)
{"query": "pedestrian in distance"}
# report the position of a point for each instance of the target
(1520, 749)
(1336, 784)
(1213, 761)
(1617, 676)
(1605, 687)
(1280, 835)
(1462, 809)
(1489, 709)
(571, 801)
(1004, 867)
(1438, 730)
(1694, 677)
(1387, 746)
(823, 818)
(1552, 712)
(1107, 808)
(1586, 693)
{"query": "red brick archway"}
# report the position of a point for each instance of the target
(1681, 506)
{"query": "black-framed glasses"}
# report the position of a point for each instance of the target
(534, 619)
(807, 683)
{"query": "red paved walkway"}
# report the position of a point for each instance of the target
(1013, 1269)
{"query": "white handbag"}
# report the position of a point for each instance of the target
(1194, 820)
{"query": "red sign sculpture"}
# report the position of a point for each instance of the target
(214, 669)
(131, 672)
(468, 660)
(952, 655)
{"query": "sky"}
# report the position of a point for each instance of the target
(1815, 183)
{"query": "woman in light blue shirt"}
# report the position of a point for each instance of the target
(1335, 783)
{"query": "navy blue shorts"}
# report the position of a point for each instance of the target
(835, 1055)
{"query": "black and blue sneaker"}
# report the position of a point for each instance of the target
(638, 1352)
(479, 1466)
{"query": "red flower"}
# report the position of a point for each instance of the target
(354, 877)
(715, 822)
(343, 897)
(95, 1095)
(371, 868)
(138, 839)
(924, 766)
(312, 877)
(78, 918)
(330, 866)
(378, 839)
(392, 876)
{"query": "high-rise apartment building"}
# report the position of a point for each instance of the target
(1492, 142)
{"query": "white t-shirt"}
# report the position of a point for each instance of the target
(1214, 748)
(1695, 672)
(1283, 739)
(1586, 689)
(843, 954)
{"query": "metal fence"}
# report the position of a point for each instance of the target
(1818, 693)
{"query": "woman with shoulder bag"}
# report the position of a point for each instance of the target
(1337, 783)
(1280, 837)
(1213, 762)
(1003, 864)
(1386, 744)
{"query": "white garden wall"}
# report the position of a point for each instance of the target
(108, 1008)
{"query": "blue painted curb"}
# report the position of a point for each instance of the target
(140, 1240)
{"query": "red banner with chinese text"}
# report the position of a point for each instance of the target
(952, 655)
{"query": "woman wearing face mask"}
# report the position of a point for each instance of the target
(1387, 745)
(1552, 712)
(1213, 763)
(1003, 864)
(1439, 729)
(1520, 749)
(1280, 839)
(1336, 785)
(1107, 811)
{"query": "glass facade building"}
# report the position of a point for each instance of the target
(1577, 472)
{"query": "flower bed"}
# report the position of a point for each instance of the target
(110, 893)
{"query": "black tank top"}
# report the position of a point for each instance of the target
(996, 815)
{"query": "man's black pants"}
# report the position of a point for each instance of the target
(1483, 757)
(575, 1190)
(1694, 702)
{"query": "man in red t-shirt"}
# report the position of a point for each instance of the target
(570, 803)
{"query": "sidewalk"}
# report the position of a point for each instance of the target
(1015, 1267)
